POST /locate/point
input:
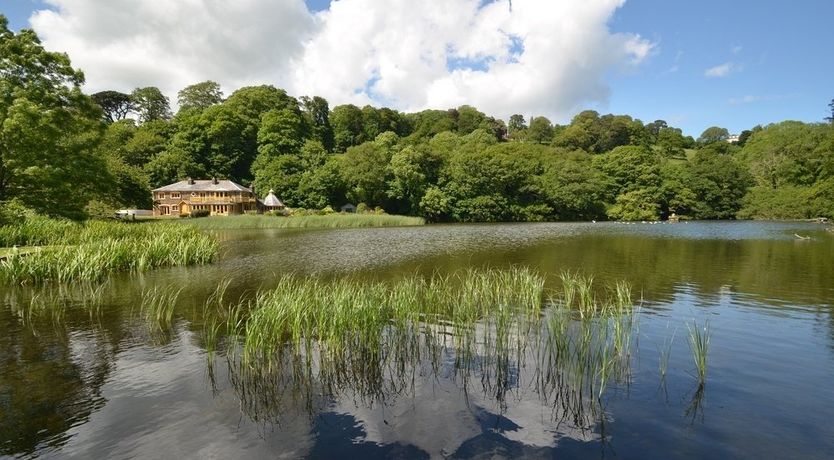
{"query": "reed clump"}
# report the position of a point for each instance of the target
(158, 305)
(345, 315)
(91, 251)
(326, 221)
(699, 344)
(587, 343)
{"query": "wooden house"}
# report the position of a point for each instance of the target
(218, 197)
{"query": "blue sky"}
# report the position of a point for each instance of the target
(772, 60)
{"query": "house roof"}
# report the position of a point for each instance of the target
(203, 186)
(272, 201)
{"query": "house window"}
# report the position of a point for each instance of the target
(175, 208)
(175, 195)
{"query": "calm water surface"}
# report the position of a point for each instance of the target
(105, 385)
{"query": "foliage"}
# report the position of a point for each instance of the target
(200, 96)
(150, 104)
(714, 134)
(114, 104)
(48, 129)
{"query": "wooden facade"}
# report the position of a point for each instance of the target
(218, 197)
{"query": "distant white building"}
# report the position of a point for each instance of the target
(733, 138)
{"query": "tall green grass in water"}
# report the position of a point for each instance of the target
(346, 314)
(315, 336)
(91, 251)
(328, 221)
(587, 344)
(699, 344)
(157, 306)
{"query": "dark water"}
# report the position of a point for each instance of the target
(104, 385)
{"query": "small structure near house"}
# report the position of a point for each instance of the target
(272, 203)
(350, 208)
(132, 214)
(218, 197)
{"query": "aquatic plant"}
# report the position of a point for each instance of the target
(315, 336)
(665, 353)
(158, 305)
(104, 248)
(699, 344)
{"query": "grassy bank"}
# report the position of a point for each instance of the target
(328, 221)
(89, 251)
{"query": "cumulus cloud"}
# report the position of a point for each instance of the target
(722, 70)
(542, 57)
(123, 44)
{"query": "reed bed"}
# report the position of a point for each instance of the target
(95, 249)
(346, 314)
(311, 336)
(327, 221)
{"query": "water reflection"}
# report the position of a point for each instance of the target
(91, 379)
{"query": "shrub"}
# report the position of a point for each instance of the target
(200, 213)
(13, 211)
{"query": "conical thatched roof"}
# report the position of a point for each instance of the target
(272, 201)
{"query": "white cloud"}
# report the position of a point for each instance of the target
(723, 70)
(544, 57)
(123, 44)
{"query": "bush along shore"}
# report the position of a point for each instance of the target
(90, 251)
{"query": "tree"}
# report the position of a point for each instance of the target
(281, 133)
(540, 131)
(656, 126)
(317, 112)
(114, 104)
(719, 184)
(408, 178)
(714, 134)
(470, 119)
(151, 104)
(48, 129)
(200, 96)
(348, 128)
(516, 123)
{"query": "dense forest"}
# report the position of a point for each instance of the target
(67, 154)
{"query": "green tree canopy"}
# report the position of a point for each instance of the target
(200, 96)
(714, 134)
(48, 129)
(151, 104)
(114, 104)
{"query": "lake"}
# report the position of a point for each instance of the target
(101, 383)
